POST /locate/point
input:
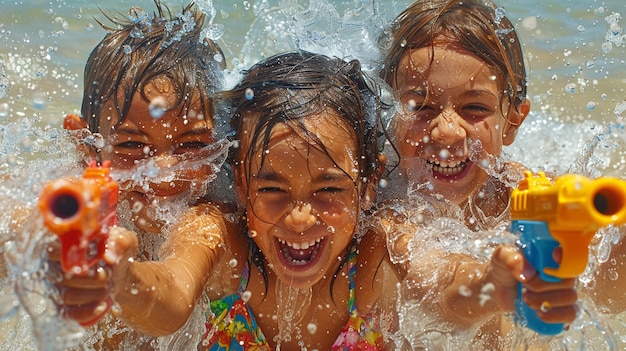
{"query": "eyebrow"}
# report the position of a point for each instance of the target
(479, 92)
(424, 92)
(127, 130)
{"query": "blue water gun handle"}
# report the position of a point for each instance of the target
(537, 245)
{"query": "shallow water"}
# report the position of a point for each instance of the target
(575, 51)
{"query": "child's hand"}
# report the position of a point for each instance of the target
(554, 302)
(87, 298)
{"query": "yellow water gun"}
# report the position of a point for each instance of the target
(565, 213)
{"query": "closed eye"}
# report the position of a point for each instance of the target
(479, 108)
(330, 189)
(269, 189)
(131, 145)
(477, 111)
(191, 145)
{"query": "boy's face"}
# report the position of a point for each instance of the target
(160, 152)
(302, 208)
(446, 107)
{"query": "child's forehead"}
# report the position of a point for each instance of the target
(328, 128)
(444, 67)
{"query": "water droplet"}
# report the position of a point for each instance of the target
(214, 32)
(444, 154)
(232, 263)
(591, 105)
(157, 107)
(570, 88)
(465, 291)
(529, 23)
(411, 105)
(137, 206)
(312, 328)
(249, 94)
(383, 183)
(39, 102)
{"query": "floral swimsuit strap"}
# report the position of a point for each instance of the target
(231, 324)
(362, 332)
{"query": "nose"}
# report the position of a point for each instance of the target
(446, 129)
(301, 217)
(166, 160)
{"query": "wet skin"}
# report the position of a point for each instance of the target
(174, 137)
(302, 207)
(445, 106)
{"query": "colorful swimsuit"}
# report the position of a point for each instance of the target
(232, 326)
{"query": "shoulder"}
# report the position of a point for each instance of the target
(208, 223)
(376, 275)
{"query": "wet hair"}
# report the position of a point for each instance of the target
(476, 26)
(143, 46)
(287, 88)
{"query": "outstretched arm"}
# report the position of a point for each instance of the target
(155, 297)
(465, 292)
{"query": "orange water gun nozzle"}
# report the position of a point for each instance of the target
(80, 213)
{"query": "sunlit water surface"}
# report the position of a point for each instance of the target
(575, 52)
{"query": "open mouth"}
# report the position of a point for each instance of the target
(448, 170)
(300, 254)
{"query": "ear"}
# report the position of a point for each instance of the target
(73, 122)
(515, 118)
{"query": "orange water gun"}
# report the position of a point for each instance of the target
(565, 213)
(80, 213)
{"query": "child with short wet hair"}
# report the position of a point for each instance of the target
(148, 97)
(148, 108)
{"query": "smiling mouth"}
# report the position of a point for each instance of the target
(447, 169)
(300, 254)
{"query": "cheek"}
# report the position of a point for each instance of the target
(409, 128)
(489, 133)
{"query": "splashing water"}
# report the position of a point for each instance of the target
(294, 305)
(39, 79)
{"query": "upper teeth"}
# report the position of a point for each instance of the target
(300, 246)
(450, 164)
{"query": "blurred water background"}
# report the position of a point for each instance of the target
(575, 52)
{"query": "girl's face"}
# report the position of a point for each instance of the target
(447, 106)
(302, 206)
(159, 153)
